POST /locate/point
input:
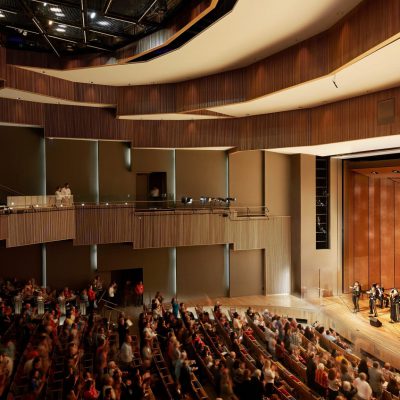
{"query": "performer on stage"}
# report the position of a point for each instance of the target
(379, 295)
(394, 305)
(356, 292)
(372, 300)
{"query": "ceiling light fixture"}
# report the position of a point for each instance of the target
(62, 26)
(60, 14)
(60, 30)
(396, 171)
(56, 9)
(2, 15)
(50, 22)
(92, 15)
(103, 23)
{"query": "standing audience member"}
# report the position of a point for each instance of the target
(66, 194)
(139, 290)
(376, 380)
(59, 196)
(364, 391)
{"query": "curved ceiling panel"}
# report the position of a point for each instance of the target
(253, 30)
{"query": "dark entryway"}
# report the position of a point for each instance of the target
(126, 280)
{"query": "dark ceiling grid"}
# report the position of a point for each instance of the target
(76, 26)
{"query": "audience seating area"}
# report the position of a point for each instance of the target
(71, 350)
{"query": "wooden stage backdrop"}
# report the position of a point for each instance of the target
(372, 224)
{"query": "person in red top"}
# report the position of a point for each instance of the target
(90, 392)
(139, 290)
(321, 379)
(91, 298)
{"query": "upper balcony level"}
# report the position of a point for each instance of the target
(144, 224)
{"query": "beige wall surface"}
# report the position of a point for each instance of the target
(246, 272)
(23, 262)
(246, 178)
(295, 212)
(201, 173)
(73, 161)
(154, 160)
(21, 162)
(200, 271)
(156, 263)
(315, 272)
(277, 183)
(68, 265)
(116, 180)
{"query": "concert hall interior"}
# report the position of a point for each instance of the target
(199, 199)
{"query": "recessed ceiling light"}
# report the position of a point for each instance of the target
(45, 4)
(374, 173)
(396, 171)
(92, 15)
(56, 9)
(50, 22)
(2, 15)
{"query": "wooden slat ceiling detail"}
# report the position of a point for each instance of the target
(349, 119)
(370, 24)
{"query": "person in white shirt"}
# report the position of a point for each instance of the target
(126, 353)
(364, 391)
(66, 193)
(112, 290)
(59, 196)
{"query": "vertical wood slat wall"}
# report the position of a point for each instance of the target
(40, 227)
(90, 225)
(372, 231)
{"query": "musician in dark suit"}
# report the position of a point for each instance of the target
(372, 300)
(394, 305)
(379, 295)
(356, 293)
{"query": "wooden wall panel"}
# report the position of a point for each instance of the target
(397, 235)
(103, 224)
(348, 229)
(278, 256)
(41, 226)
(149, 99)
(3, 227)
(350, 119)
(165, 229)
(387, 233)
(35, 82)
(360, 215)
(22, 112)
(3, 65)
(374, 230)
(371, 227)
